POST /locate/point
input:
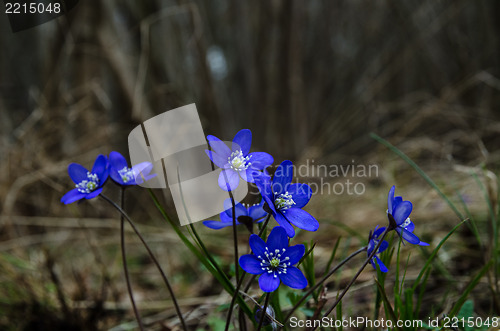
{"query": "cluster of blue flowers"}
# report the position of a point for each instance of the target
(274, 260)
(89, 184)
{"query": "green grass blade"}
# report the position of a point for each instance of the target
(468, 289)
(419, 171)
(434, 253)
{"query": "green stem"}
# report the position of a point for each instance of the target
(151, 255)
(124, 261)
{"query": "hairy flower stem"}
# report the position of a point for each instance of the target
(151, 255)
(318, 284)
(264, 226)
(264, 311)
(240, 281)
(381, 240)
(124, 261)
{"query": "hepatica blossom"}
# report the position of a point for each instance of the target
(238, 161)
(121, 174)
(88, 183)
(373, 241)
(285, 200)
(274, 261)
(245, 214)
(399, 211)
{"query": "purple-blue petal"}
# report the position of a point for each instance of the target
(218, 160)
(256, 212)
(250, 174)
(115, 176)
(257, 245)
(408, 236)
(251, 264)
(77, 172)
(117, 161)
(239, 208)
(301, 219)
(423, 243)
(261, 160)
(301, 194)
(395, 202)
(277, 239)
(218, 146)
(216, 225)
(229, 180)
(100, 168)
(263, 182)
(283, 222)
(381, 265)
(293, 278)
(282, 177)
(269, 283)
(390, 198)
(383, 246)
(242, 140)
(378, 231)
(224, 217)
(294, 253)
(402, 211)
(72, 196)
(142, 172)
(93, 194)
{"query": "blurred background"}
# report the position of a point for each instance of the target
(311, 79)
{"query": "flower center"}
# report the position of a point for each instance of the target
(88, 185)
(126, 174)
(273, 262)
(284, 201)
(238, 162)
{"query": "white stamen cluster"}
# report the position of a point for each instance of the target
(273, 262)
(126, 174)
(405, 223)
(88, 185)
(248, 205)
(284, 201)
(238, 162)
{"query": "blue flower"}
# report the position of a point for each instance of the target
(267, 319)
(285, 200)
(121, 174)
(274, 261)
(244, 215)
(398, 212)
(88, 183)
(373, 241)
(238, 161)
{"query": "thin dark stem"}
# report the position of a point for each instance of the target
(233, 300)
(235, 240)
(318, 284)
(381, 240)
(264, 226)
(124, 261)
(264, 310)
(240, 282)
(151, 255)
(235, 237)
